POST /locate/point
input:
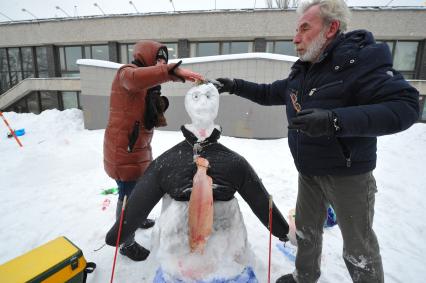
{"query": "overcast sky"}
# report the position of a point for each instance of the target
(12, 9)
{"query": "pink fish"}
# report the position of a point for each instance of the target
(200, 211)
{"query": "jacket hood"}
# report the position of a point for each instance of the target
(146, 52)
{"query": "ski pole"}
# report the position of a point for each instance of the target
(118, 237)
(10, 129)
(270, 237)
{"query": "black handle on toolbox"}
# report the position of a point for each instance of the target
(90, 267)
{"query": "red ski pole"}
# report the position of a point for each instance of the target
(270, 237)
(118, 237)
(10, 129)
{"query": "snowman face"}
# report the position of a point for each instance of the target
(202, 103)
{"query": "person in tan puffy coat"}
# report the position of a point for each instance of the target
(136, 107)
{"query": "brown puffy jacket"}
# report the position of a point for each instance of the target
(127, 108)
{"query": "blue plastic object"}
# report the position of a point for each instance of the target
(246, 276)
(20, 132)
(331, 217)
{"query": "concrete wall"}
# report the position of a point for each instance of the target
(208, 25)
(238, 117)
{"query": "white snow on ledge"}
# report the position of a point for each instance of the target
(258, 55)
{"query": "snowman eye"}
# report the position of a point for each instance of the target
(195, 96)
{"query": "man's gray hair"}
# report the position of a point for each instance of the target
(331, 10)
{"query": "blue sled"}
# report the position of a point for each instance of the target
(247, 276)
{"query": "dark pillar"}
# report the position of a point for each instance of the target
(53, 61)
(113, 48)
(183, 48)
(259, 45)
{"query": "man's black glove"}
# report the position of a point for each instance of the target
(284, 239)
(315, 122)
(226, 85)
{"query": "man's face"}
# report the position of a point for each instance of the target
(311, 35)
(202, 104)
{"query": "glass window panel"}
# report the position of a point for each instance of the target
(390, 45)
(226, 48)
(424, 112)
(4, 71)
(41, 55)
(15, 65)
(3, 61)
(4, 81)
(405, 55)
(27, 62)
(172, 49)
(207, 49)
(70, 99)
(239, 47)
(270, 46)
(19, 107)
(123, 53)
(49, 100)
(72, 54)
(285, 48)
(100, 52)
(130, 53)
(62, 58)
(32, 102)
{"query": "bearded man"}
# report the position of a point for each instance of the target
(340, 96)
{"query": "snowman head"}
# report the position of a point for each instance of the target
(202, 104)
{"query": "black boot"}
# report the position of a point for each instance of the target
(135, 252)
(147, 223)
(288, 278)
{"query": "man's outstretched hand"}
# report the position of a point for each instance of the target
(226, 85)
(315, 122)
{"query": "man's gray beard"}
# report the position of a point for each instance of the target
(315, 49)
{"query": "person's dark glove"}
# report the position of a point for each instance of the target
(284, 239)
(226, 85)
(315, 122)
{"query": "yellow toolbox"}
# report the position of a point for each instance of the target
(56, 261)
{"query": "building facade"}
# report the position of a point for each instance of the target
(50, 48)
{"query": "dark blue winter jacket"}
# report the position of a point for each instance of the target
(354, 78)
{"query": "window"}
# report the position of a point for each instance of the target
(27, 62)
(69, 99)
(72, 54)
(404, 55)
(14, 65)
(33, 103)
(207, 49)
(49, 100)
(41, 57)
(285, 47)
(68, 59)
(172, 49)
(19, 107)
(4, 71)
(422, 102)
(235, 47)
(99, 52)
